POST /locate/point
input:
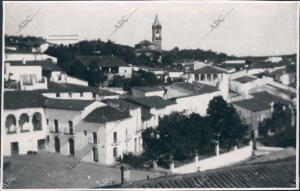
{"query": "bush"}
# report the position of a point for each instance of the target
(134, 161)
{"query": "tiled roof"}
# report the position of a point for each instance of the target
(47, 65)
(66, 87)
(278, 174)
(260, 101)
(184, 89)
(121, 104)
(106, 114)
(208, 70)
(22, 99)
(67, 104)
(148, 88)
(285, 91)
(268, 98)
(151, 101)
(108, 61)
(33, 99)
(252, 104)
(245, 79)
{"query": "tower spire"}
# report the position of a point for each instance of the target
(156, 21)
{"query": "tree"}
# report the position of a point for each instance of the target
(225, 122)
(280, 122)
(178, 135)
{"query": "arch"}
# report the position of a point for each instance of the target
(37, 121)
(10, 123)
(71, 146)
(24, 118)
(57, 144)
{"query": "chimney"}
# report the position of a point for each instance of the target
(217, 148)
(125, 174)
(272, 106)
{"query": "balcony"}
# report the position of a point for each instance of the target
(34, 84)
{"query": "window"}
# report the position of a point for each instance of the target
(202, 77)
(57, 94)
(48, 138)
(47, 121)
(126, 133)
(85, 133)
(56, 125)
(115, 137)
(81, 94)
(95, 137)
(197, 77)
(71, 127)
(24, 118)
(37, 121)
(115, 152)
(94, 95)
(10, 124)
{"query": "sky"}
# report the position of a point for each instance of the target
(250, 29)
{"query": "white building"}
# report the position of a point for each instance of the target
(25, 123)
(192, 97)
(28, 77)
(112, 133)
(63, 119)
(244, 83)
(11, 55)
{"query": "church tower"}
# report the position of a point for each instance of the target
(156, 33)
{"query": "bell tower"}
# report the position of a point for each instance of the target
(156, 33)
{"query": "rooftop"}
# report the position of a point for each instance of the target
(245, 79)
(106, 114)
(121, 103)
(281, 173)
(184, 89)
(50, 168)
(47, 65)
(23, 99)
(66, 87)
(260, 101)
(148, 88)
(104, 61)
(67, 104)
(151, 101)
(208, 70)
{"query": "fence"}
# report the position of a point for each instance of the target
(217, 161)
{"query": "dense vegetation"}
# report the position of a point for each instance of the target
(24, 42)
(280, 129)
(180, 135)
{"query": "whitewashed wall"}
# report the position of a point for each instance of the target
(215, 162)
